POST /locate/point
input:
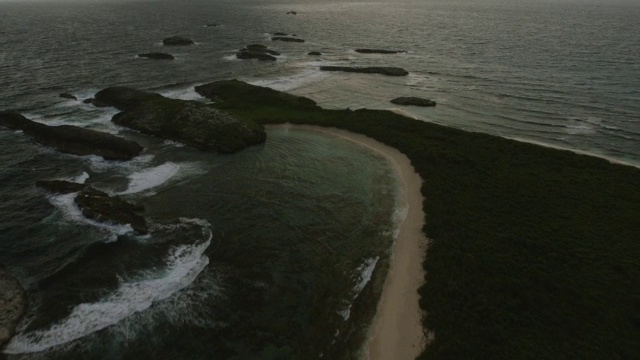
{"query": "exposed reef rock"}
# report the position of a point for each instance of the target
(189, 122)
(124, 98)
(98, 205)
(157, 55)
(226, 90)
(68, 96)
(72, 139)
(287, 39)
(383, 70)
(177, 41)
(257, 51)
(13, 303)
(314, 53)
(379, 51)
(413, 101)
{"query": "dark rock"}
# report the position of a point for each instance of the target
(72, 139)
(378, 51)
(292, 13)
(314, 53)
(256, 47)
(280, 34)
(123, 98)
(257, 51)
(68, 96)
(94, 102)
(238, 91)
(383, 70)
(13, 303)
(98, 205)
(413, 101)
(189, 122)
(157, 55)
(287, 39)
(260, 48)
(245, 55)
(212, 25)
(177, 41)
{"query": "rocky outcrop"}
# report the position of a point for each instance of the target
(72, 139)
(257, 51)
(287, 39)
(314, 53)
(292, 13)
(177, 41)
(124, 98)
(157, 56)
(98, 205)
(13, 303)
(239, 91)
(212, 25)
(379, 51)
(383, 70)
(189, 122)
(413, 101)
(68, 96)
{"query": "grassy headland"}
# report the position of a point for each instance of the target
(534, 252)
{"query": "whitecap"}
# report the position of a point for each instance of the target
(184, 264)
(364, 273)
(149, 178)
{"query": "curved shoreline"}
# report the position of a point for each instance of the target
(396, 330)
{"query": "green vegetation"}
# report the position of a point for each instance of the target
(534, 252)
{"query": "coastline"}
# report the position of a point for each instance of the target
(396, 331)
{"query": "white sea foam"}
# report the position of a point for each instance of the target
(99, 164)
(80, 179)
(188, 93)
(173, 143)
(184, 264)
(292, 82)
(149, 178)
(364, 273)
(146, 179)
(231, 57)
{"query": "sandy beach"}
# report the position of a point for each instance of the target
(396, 332)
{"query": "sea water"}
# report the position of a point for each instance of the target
(278, 251)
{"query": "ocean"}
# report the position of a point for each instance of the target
(278, 251)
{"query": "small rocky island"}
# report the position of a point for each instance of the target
(415, 101)
(98, 205)
(177, 41)
(73, 139)
(190, 122)
(68, 96)
(383, 70)
(257, 51)
(286, 39)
